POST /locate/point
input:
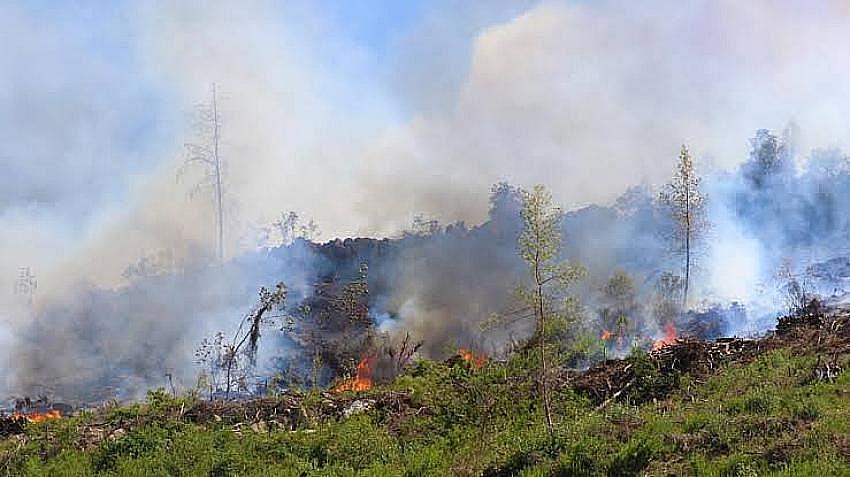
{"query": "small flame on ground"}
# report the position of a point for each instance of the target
(605, 336)
(39, 416)
(670, 336)
(362, 381)
(474, 360)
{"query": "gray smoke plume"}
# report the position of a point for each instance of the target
(363, 128)
(439, 283)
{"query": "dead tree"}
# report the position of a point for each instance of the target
(206, 153)
(240, 352)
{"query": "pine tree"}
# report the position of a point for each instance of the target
(686, 203)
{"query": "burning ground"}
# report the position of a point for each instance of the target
(173, 314)
(776, 404)
(776, 231)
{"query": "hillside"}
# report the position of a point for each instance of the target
(778, 405)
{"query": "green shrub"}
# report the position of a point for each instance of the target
(136, 443)
(631, 459)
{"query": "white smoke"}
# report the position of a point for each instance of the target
(587, 98)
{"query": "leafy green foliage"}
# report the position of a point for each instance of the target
(545, 299)
(764, 418)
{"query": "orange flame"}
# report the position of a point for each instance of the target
(362, 381)
(605, 336)
(474, 360)
(670, 336)
(39, 416)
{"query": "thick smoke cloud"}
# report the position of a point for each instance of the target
(97, 344)
(441, 283)
(591, 98)
(587, 98)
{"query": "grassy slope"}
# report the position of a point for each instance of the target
(768, 417)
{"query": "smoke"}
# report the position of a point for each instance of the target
(442, 283)
(96, 344)
(591, 98)
(362, 124)
(587, 99)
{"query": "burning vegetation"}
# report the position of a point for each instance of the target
(695, 324)
(670, 337)
(618, 278)
(362, 381)
(317, 348)
(354, 315)
(474, 360)
(778, 387)
(36, 416)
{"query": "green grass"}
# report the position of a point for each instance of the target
(765, 418)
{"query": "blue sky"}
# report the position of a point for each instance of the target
(373, 23)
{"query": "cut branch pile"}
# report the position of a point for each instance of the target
(11, 425)
(653, 376)
(285, 411)
(811, 331)
(292, 411)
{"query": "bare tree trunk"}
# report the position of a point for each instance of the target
(541, 318)
(687, 246)
(687, 267)
(227, 386)
(217, 166)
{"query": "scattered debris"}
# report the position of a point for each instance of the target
(811, 315)
(285, 409)
(814, 327)
(652, 376)
(358, 406)
(827, 371)
(11, 425)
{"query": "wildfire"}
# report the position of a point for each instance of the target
(605, 336)
(474, 360)
(362, 381)
(670, 336)
(39, 416)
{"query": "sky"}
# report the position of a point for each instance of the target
(363, 114)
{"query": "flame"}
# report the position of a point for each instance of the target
(474, 360)
(39, 416)
(670, 336)
(362, 381)
(605, 336)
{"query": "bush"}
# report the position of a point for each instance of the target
(136, 443)
(631, 459)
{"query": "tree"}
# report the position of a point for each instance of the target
(666, 305)
(770, 158)
(546, 297)
(287, 229)
(334, 322)
(796, 288)
(685, 201)
(619, 306)
(206, 153)
(424, 227)
(239, 354)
